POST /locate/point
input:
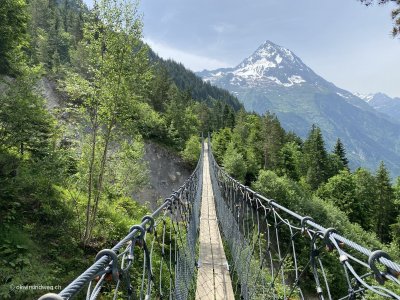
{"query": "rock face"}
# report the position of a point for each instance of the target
(48, 90)
(167, 173)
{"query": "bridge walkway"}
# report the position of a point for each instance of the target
(213, 279)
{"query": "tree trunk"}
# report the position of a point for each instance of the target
(101, 177)
(86, 236)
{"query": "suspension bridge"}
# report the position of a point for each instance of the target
(215, 238)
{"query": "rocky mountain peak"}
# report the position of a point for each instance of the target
(269, 55)
(270, 64)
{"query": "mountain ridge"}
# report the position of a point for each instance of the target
(384, 104)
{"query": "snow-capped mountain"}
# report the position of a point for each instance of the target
(268, 64)
(274, 79)
(384, 104)
(276, 71)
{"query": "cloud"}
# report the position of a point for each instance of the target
(191, 61)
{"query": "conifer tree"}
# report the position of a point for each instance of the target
(315, 158)
(25, 124)
(220, 141)
(289, 160)
(384, 208)
(253, 151)
(204, 117)
(273, 136)
(340, 151)
(217, 113)
(180, 116)
(159, 89)
(228, 117)
(241, 127)
(13, 22)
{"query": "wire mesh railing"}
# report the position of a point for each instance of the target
(276, 253)
(156, 260)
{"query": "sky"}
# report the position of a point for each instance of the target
(341, 40)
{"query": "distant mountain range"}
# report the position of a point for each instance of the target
(384, 104)
(274, 79)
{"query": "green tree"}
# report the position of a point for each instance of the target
(289, 162)
(384, 207)
(13, 23)
(204, 117)
(220, 141)
(341, 191)
(180, 117)
(228, 117)
(395, 228)
(113, 89)
(340, 151)
(25, 125)
(55, 28)
(192, 150)
(233, 162)
(272, 139)
(334, 165)
(160, 86)
(216, 113)
(315, 158)
(366, 194)
(282, 189)
(253, 151)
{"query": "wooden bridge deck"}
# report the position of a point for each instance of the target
(213, 279)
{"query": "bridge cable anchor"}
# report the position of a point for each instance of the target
(151, 225)
(114, 265)
(329, 245)
(138, 228)
(380, 276)
(304, 223)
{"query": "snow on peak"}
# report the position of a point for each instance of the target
(254, 69)
(269, 47)
(292, 80)
(267, 56)
(365, 97)
(270, 63)
(278, 59)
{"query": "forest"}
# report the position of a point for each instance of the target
(65, 171)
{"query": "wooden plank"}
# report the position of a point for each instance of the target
(213, 279)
